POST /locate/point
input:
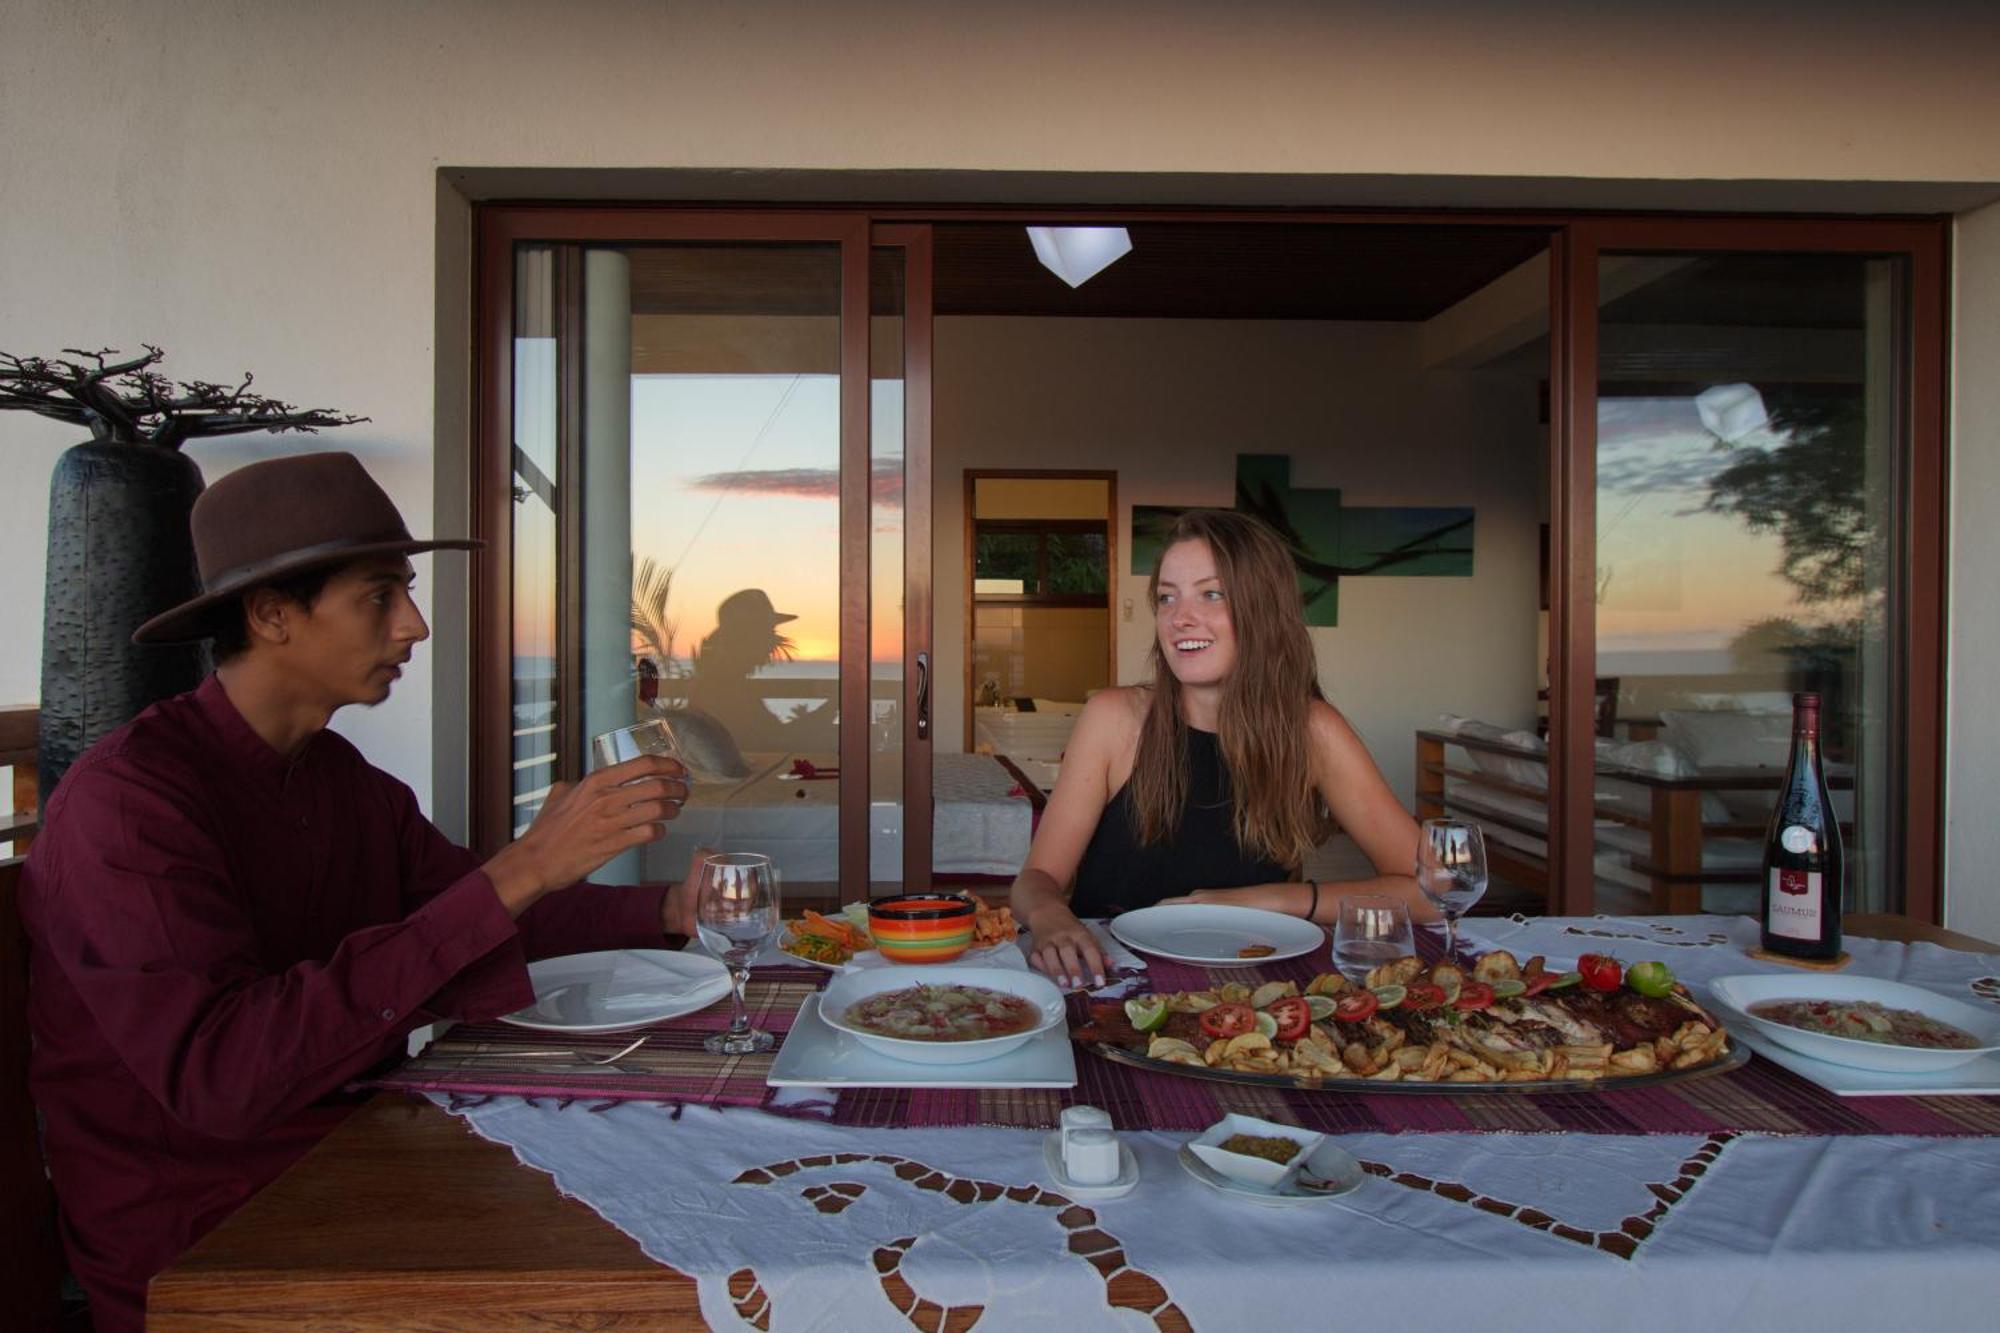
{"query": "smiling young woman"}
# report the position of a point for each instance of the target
(1215, 780)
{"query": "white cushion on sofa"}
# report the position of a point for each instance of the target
(1730, 739)
(1659, 758)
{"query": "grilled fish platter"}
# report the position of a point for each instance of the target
(1498, 1021)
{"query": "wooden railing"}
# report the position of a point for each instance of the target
(17, 751)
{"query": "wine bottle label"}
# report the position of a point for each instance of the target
(1795, 903)
(1796, 838)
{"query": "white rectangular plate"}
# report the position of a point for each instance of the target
(1980, 1078)
(817, 1056)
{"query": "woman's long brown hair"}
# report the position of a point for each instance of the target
(1264, 727)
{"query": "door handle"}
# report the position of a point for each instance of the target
(923, 696)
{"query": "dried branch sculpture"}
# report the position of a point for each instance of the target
(128, 402)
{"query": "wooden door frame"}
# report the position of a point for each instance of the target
(973, 476)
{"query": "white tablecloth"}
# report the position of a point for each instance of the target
(1804, 1233)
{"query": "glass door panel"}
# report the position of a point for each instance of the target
(532, 468)
(888, 818)
(710, 537)
(1746, 499)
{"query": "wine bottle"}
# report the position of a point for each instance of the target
(1802, 855)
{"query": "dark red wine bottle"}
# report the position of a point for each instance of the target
(1802, 856)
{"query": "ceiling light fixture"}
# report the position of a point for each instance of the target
(1078, 254)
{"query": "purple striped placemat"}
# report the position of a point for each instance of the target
(477, 1059)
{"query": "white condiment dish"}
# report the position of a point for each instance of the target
(1241, 1166)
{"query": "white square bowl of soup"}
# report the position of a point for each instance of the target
(942, 1015)
(1257, 1152)
(1862, 1022)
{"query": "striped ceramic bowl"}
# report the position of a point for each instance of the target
(921, 927)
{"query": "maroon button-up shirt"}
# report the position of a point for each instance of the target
(220, 938)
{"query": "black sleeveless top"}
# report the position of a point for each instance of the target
(1118, 873)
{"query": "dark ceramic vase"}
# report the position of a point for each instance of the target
(119, 553)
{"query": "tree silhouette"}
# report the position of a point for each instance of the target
(1810, 490)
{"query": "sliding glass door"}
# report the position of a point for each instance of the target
(697, 434)
(1753, 481)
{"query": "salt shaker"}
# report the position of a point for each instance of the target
(1090, 1156)
(1089, 1148)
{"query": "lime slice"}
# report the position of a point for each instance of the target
(1507, 989)
(1148, 1013)
(1566, 980)
(1389, 996)
(1452, 981)
(1321, 1006)
(1267, 1024)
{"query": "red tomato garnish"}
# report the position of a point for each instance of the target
(1294, 1017)
(1600, 972)
(1357, 1006)
(1474, 995)
(1422, 995)
(1540, 982)
(1230, 1020)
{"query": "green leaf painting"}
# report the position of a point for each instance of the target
(1328, 541)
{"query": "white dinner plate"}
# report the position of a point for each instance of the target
(816, 1055)
(1214, 934)
(1328, 1173)
(1738, 993)
(619, 989)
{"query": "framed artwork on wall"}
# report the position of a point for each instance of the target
(1328, 540)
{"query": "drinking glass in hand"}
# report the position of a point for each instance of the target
(653, 736)
(736, 913)
(1372, 930)
(1451, 870)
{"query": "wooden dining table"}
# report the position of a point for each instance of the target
(404, 1218)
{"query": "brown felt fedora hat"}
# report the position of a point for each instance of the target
(281, 517)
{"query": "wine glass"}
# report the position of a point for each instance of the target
(1373, 929)
(735, 915)
(1451, 870)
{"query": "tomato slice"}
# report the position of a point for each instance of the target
(1229, 1020)
(1294, 1017)
(1357, 1006)
(1422, 995)
(1474, 995)
(1601, 972)
(1540, 982)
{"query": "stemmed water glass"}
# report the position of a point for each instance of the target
(735, 915)
(1451, 870)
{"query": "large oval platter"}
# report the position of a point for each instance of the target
(1737, 1055)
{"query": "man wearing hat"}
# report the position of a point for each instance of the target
(231, 914)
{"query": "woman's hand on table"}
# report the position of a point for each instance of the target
(1066, 952)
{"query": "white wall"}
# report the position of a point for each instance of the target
(1169, 404)
(1972, 862)
(257, 186)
